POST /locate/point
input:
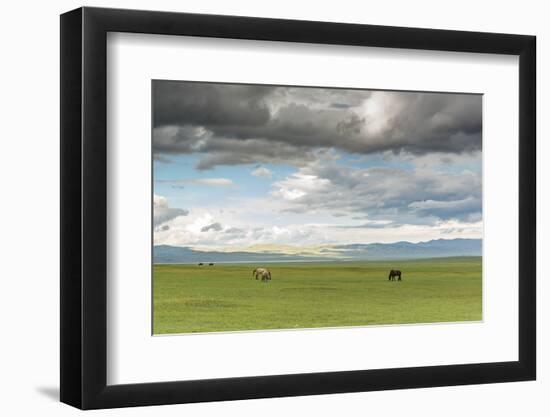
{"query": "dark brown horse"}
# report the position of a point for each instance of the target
(394, 273)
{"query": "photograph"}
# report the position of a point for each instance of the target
(295, 207)
(274, 205)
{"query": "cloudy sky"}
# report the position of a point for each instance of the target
(243, 165)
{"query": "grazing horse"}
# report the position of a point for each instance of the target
(394, 273)
(263, 273)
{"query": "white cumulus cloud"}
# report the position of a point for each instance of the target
(262, 172)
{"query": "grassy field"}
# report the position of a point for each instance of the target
(225, 297)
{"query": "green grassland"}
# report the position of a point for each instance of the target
(225, 297)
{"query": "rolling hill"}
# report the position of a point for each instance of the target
(352, 252)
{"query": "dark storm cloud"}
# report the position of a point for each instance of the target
(236, 152)
(203, 104)
(238, 124)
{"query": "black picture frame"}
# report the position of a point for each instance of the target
(84, 207)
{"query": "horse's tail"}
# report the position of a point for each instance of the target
(253, 272)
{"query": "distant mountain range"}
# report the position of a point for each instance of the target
(353, 252)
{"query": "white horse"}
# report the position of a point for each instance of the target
(263, 273)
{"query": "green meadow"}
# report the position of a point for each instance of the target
(225, 297)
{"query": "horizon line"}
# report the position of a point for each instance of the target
(331, 244)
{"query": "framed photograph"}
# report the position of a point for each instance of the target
(257, 208)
